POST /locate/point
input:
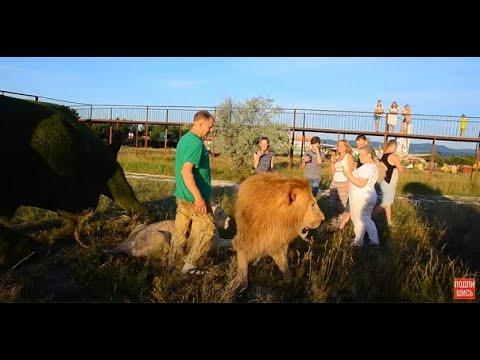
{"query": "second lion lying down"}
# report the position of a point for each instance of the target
(146, 240)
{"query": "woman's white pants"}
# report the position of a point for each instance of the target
(361, 207)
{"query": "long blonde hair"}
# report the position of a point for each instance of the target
(347, 145)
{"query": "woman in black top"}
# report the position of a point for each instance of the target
(392, 165)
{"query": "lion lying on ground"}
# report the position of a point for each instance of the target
(146, 240)
(449, 169)
(271, 210)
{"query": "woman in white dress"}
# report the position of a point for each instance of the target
(392, 117)
(404, 143)
(339, 185)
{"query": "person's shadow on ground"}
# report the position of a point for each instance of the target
(461, 221)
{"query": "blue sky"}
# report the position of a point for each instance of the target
(445, 86)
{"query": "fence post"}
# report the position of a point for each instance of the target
(166, 134)
(432, 159)
(290, 157)
(111, 117)
(302, 146)
(303, 138)
(385, 134)
(146, 133)
(136, 141)
(36, 98)
(91, 112)
(477, 158)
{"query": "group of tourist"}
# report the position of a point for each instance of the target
(352, 191)
(392, 117)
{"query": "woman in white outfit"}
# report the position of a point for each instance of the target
(339, 185)
(392, 117)
(362, 196)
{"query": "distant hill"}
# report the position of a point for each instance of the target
(422, 148)
(445, 150)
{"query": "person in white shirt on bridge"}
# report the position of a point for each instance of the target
(392, 117)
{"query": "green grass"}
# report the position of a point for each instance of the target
(159, 162)
(430, 246)
(418, 182)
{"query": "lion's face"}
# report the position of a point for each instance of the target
(313, 216)
(220, 217)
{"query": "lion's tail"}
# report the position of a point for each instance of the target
(114, 251)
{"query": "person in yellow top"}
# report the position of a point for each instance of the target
(463, 125)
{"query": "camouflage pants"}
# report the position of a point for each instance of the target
(202, 233)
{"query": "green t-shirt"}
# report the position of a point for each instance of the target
(191, 149)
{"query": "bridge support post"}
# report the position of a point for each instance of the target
(166, 135)
(290, 155)
(477, 159)
(432, 159)
(302, 149)
(385, 134)
(146, 133)
(136, 141)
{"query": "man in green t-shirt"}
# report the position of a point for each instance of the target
(193, 193)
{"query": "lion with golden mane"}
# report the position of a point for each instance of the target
(271, 210)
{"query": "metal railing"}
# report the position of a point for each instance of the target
(440, 126)
(429, 126)
(154, 114)
(433, 127)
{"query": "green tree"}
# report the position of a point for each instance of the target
(100, 130)
(239, 126)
